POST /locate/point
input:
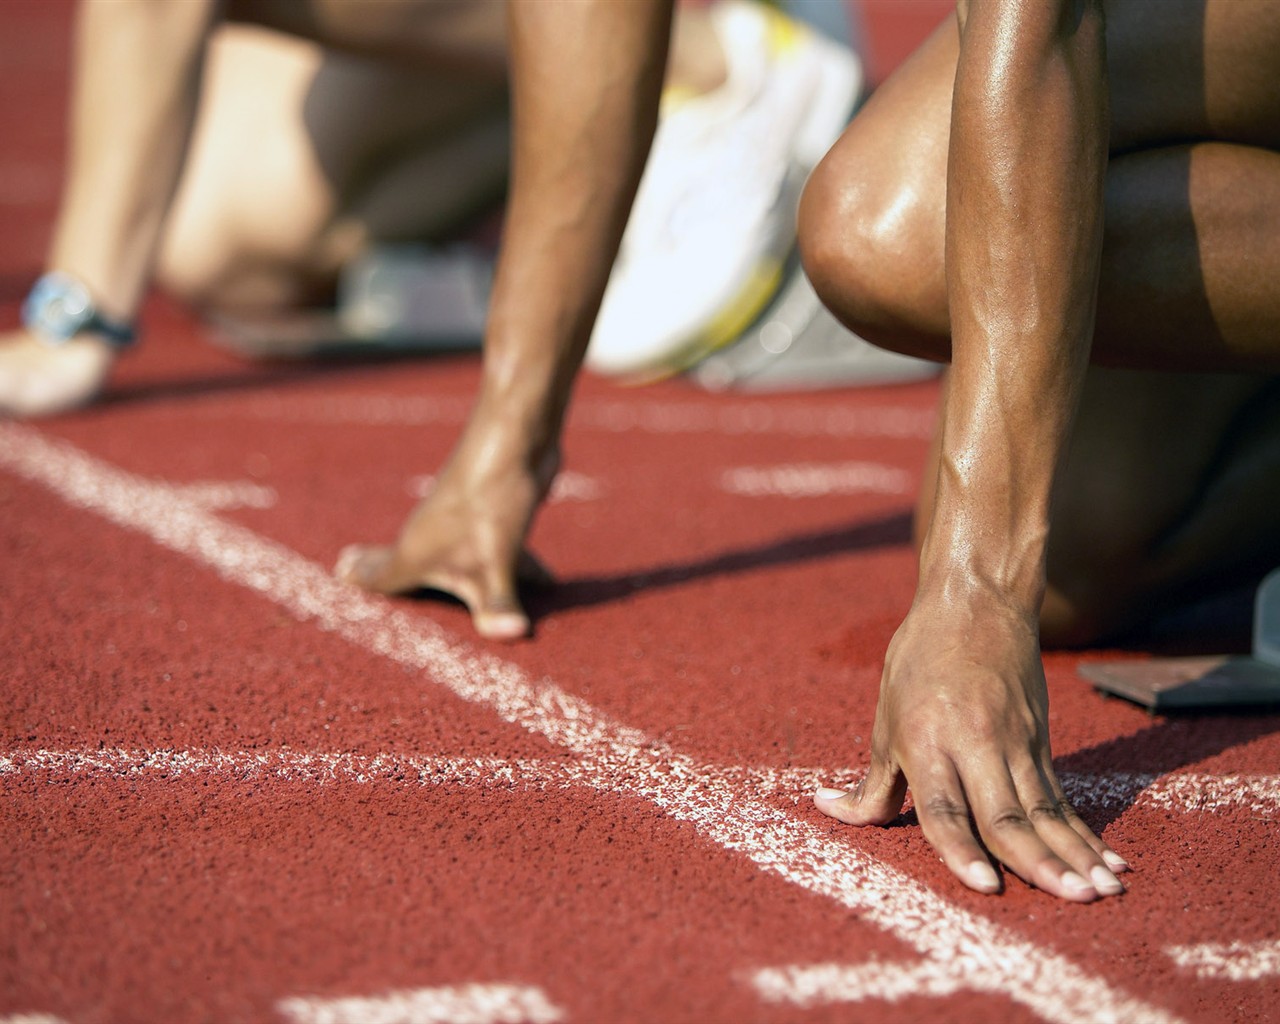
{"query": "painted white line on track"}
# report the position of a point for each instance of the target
(31, 1018)
(810, 985)
(219, 495)
(646, 416)
(567, 486)
(1258, 794)
(455, 1004)
(1234, 961)
(285, 765)
(994, 959)
(812, 480)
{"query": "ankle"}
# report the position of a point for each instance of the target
(697, 60)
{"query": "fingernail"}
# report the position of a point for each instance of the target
(830, 794)
(1076, 883)
(1104, 881)
(1115, 861)
(346, 562)
(983, 876)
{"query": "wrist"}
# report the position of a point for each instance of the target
(60, 307)
(968, 565)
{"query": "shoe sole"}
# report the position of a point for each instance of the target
(797, 345)
(834, 101)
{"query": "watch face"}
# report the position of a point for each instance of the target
(57, 307)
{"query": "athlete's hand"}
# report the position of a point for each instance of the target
(38, 379)
(465, 539)
(963, 720)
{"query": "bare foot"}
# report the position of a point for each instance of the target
(37, 379)
(465, 539)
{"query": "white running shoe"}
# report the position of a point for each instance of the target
(714, 218)
(797, 345)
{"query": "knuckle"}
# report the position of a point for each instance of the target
(1045, 811)
(1068, 812)
(945, 806)
(1010, 819)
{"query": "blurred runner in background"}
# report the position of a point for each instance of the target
(338, 161)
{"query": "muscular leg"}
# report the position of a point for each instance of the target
(1169, 491)
(302, 156)
(1189, 261)
(353, 141)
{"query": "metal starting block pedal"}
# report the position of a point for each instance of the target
(1204, 682)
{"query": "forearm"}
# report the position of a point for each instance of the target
(1024, 233)
(137, 71)
(586, 79)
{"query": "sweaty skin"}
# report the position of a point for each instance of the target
(963, 710)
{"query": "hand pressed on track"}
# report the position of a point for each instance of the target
(465, 539)
(963, 720)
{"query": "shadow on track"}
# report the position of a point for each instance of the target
(887, 531)
(256, 377)
(1173, 742)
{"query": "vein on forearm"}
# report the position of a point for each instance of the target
(1024, 233)
(586, 78)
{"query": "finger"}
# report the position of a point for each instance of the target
(1113, 860)
(1051, 814)
(876, 801)
(944, 817)
(1015, 827)
(378, 568)
(501, 619)
(496, 611)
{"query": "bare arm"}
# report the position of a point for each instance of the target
(963, 713)
(1024, 235)
(586, 79)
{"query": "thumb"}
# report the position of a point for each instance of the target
(876, 800)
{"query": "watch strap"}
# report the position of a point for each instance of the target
(59, 307)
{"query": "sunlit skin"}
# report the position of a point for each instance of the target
(1011, 109)
(963, 708)
(1004, 201)
(586, 80)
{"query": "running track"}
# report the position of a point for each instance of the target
(233, 790)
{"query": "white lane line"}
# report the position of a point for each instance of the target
(217, 495)
(457, 1004)
(1258, 794)
(994, 959)
(1234, 961)
(612, 417)
(567, 486)
(812, 480)
(1193, 792)
(287, 765)
(809, 985)
(31, 1018)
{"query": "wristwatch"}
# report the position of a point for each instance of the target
(60, 307)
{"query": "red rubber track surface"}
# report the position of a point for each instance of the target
(226, 783)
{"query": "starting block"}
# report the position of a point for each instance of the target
(1204, 682)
